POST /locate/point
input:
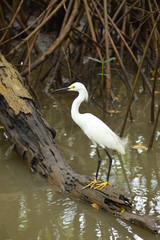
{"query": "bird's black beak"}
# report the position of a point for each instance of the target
(61, 89)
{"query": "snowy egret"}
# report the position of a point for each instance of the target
(96, 130)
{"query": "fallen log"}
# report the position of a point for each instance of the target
(33, 139)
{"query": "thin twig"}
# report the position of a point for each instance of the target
(92, 28)
(12, 21)
(150, 145)
(37, 28)
(57, 42)
(153, 89)
(138, 72)
(107, 65)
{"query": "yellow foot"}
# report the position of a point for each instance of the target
(91, 184)
(102, 185)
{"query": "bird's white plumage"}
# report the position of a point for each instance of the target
(99, 133)
(96, 130)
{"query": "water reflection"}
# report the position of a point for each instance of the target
(82, 223)
(23, 216)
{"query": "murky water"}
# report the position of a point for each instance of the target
(31, 209)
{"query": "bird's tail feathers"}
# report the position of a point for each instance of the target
(124, 142)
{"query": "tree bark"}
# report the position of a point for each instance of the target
(33, 139)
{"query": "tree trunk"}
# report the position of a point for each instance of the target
(33, 139)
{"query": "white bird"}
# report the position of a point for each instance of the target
(96, 130)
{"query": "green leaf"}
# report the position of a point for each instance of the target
(95, 59)
(109, 59)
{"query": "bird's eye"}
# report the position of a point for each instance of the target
(73, 87)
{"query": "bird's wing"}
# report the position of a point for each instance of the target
(99, 133)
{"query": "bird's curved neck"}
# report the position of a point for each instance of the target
(75, 108)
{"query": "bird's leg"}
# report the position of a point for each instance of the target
(99, 162)
(104, 184)
(110, 164)
(94, 182)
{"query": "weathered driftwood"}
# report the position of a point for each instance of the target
(33, 139)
